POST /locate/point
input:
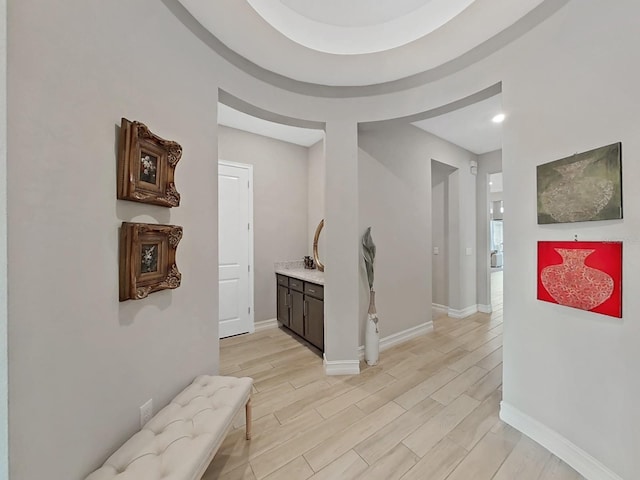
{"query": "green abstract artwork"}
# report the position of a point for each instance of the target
(584, 187)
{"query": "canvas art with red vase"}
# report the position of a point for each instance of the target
(584, 275)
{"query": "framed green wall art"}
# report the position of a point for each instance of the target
(584, 187)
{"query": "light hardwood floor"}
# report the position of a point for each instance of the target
(427, 411)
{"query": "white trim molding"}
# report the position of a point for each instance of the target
(400, 337)
(464, 313)
(581, 461)
(266, 324)
(340, 367)
(485, 308)
(440, 308)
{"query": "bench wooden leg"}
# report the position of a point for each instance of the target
(247, 409)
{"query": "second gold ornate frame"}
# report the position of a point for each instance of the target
(146, 165)
(316, 258)
(148, 259)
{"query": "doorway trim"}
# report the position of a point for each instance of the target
(249, 168)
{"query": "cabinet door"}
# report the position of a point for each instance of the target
(283, 305)
(314, 322)
(296, 320)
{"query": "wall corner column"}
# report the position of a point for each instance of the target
(4, 360)
(342, 262)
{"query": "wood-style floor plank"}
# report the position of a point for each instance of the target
(296, 469)
(426, 388)
(526, 462)
(452, 390)
(279, 456)
(435, 429)
(347, 467)
(486, 385)
(438, 463)
(341, 442)
(556, 469)
(391, 466)
(428, 410)
(486, 458)
(385, 439)
(476, 425)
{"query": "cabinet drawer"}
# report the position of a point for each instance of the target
(295, 284)
(282, 280)
(314, 290)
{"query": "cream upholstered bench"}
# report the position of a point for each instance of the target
(180, 441)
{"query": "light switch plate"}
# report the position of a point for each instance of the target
(436, 250)
(469, 251)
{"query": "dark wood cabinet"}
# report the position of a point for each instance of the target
(296, 322)
(314, 322)
(283, 305)
(301, 308)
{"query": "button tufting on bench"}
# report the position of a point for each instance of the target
(180, 440)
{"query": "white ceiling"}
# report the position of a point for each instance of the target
(326, 42)
(300, 136)
(357, 26)
(470, 127)
(353, 13)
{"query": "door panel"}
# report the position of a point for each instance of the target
(234, 241)
(296, 320)
(314, 325)
(283, 305)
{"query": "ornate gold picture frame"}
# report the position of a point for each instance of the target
(148, 259)
(146, 165)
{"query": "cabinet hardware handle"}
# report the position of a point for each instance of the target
(289, 300)
(312, 290)
(306, 308)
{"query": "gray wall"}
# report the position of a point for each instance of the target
(487, 164)
(440, 232)
(279, 205)
(569, 85)
(316, 188)
(397, 212)
(573, 371)
(341, 233)
(395, 199)
(81, 362)
(4, 367)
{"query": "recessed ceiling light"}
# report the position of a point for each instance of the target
(498, 118)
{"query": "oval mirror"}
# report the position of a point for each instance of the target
(316, 237)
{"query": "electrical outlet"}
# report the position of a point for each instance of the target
(146, 412)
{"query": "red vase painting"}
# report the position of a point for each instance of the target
(584, 275)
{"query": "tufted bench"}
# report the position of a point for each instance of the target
(180, 441)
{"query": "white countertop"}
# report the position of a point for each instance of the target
(296, 270)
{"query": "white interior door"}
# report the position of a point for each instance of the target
(235, 243)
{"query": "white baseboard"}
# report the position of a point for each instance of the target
(440, 308)
(465, 312)
(400, 337)
(341, 367)
(485, 308)
(581, 461)
(265, 324)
